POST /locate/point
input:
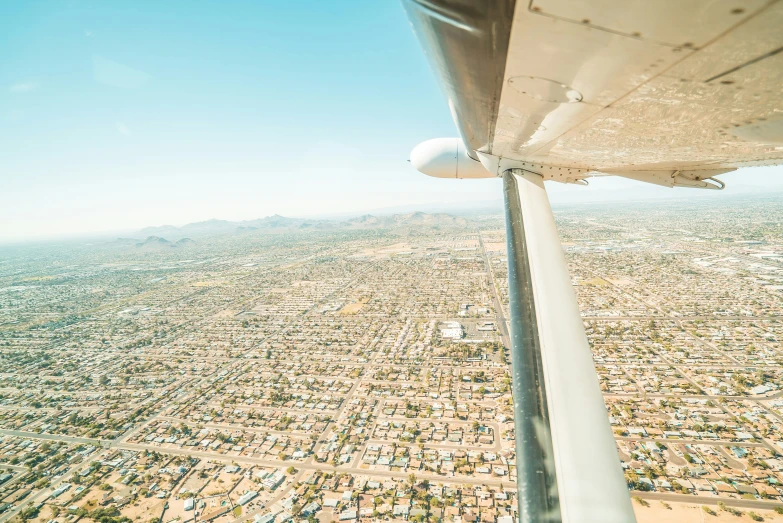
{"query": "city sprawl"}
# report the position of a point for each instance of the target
(360, 370)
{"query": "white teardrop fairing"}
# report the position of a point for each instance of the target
(446, 158)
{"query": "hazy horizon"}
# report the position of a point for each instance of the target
(603, 192)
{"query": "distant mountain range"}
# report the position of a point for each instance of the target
(277, 223)
(157, 243)
(211, 227)
(154, 243)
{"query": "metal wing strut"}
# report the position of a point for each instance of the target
(567, 463)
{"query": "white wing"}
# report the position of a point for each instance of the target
(672, 86)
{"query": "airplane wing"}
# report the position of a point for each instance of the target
(569, 87)
(670, 92)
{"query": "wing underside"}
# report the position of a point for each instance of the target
(612, 85)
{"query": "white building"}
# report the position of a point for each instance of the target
(452, 333)
(247, 496)
(274, 481)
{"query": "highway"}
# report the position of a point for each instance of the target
(202, 454)
(505, 483)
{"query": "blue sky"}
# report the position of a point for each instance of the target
(118, 115)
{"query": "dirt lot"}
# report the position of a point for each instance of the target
(693, 513)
